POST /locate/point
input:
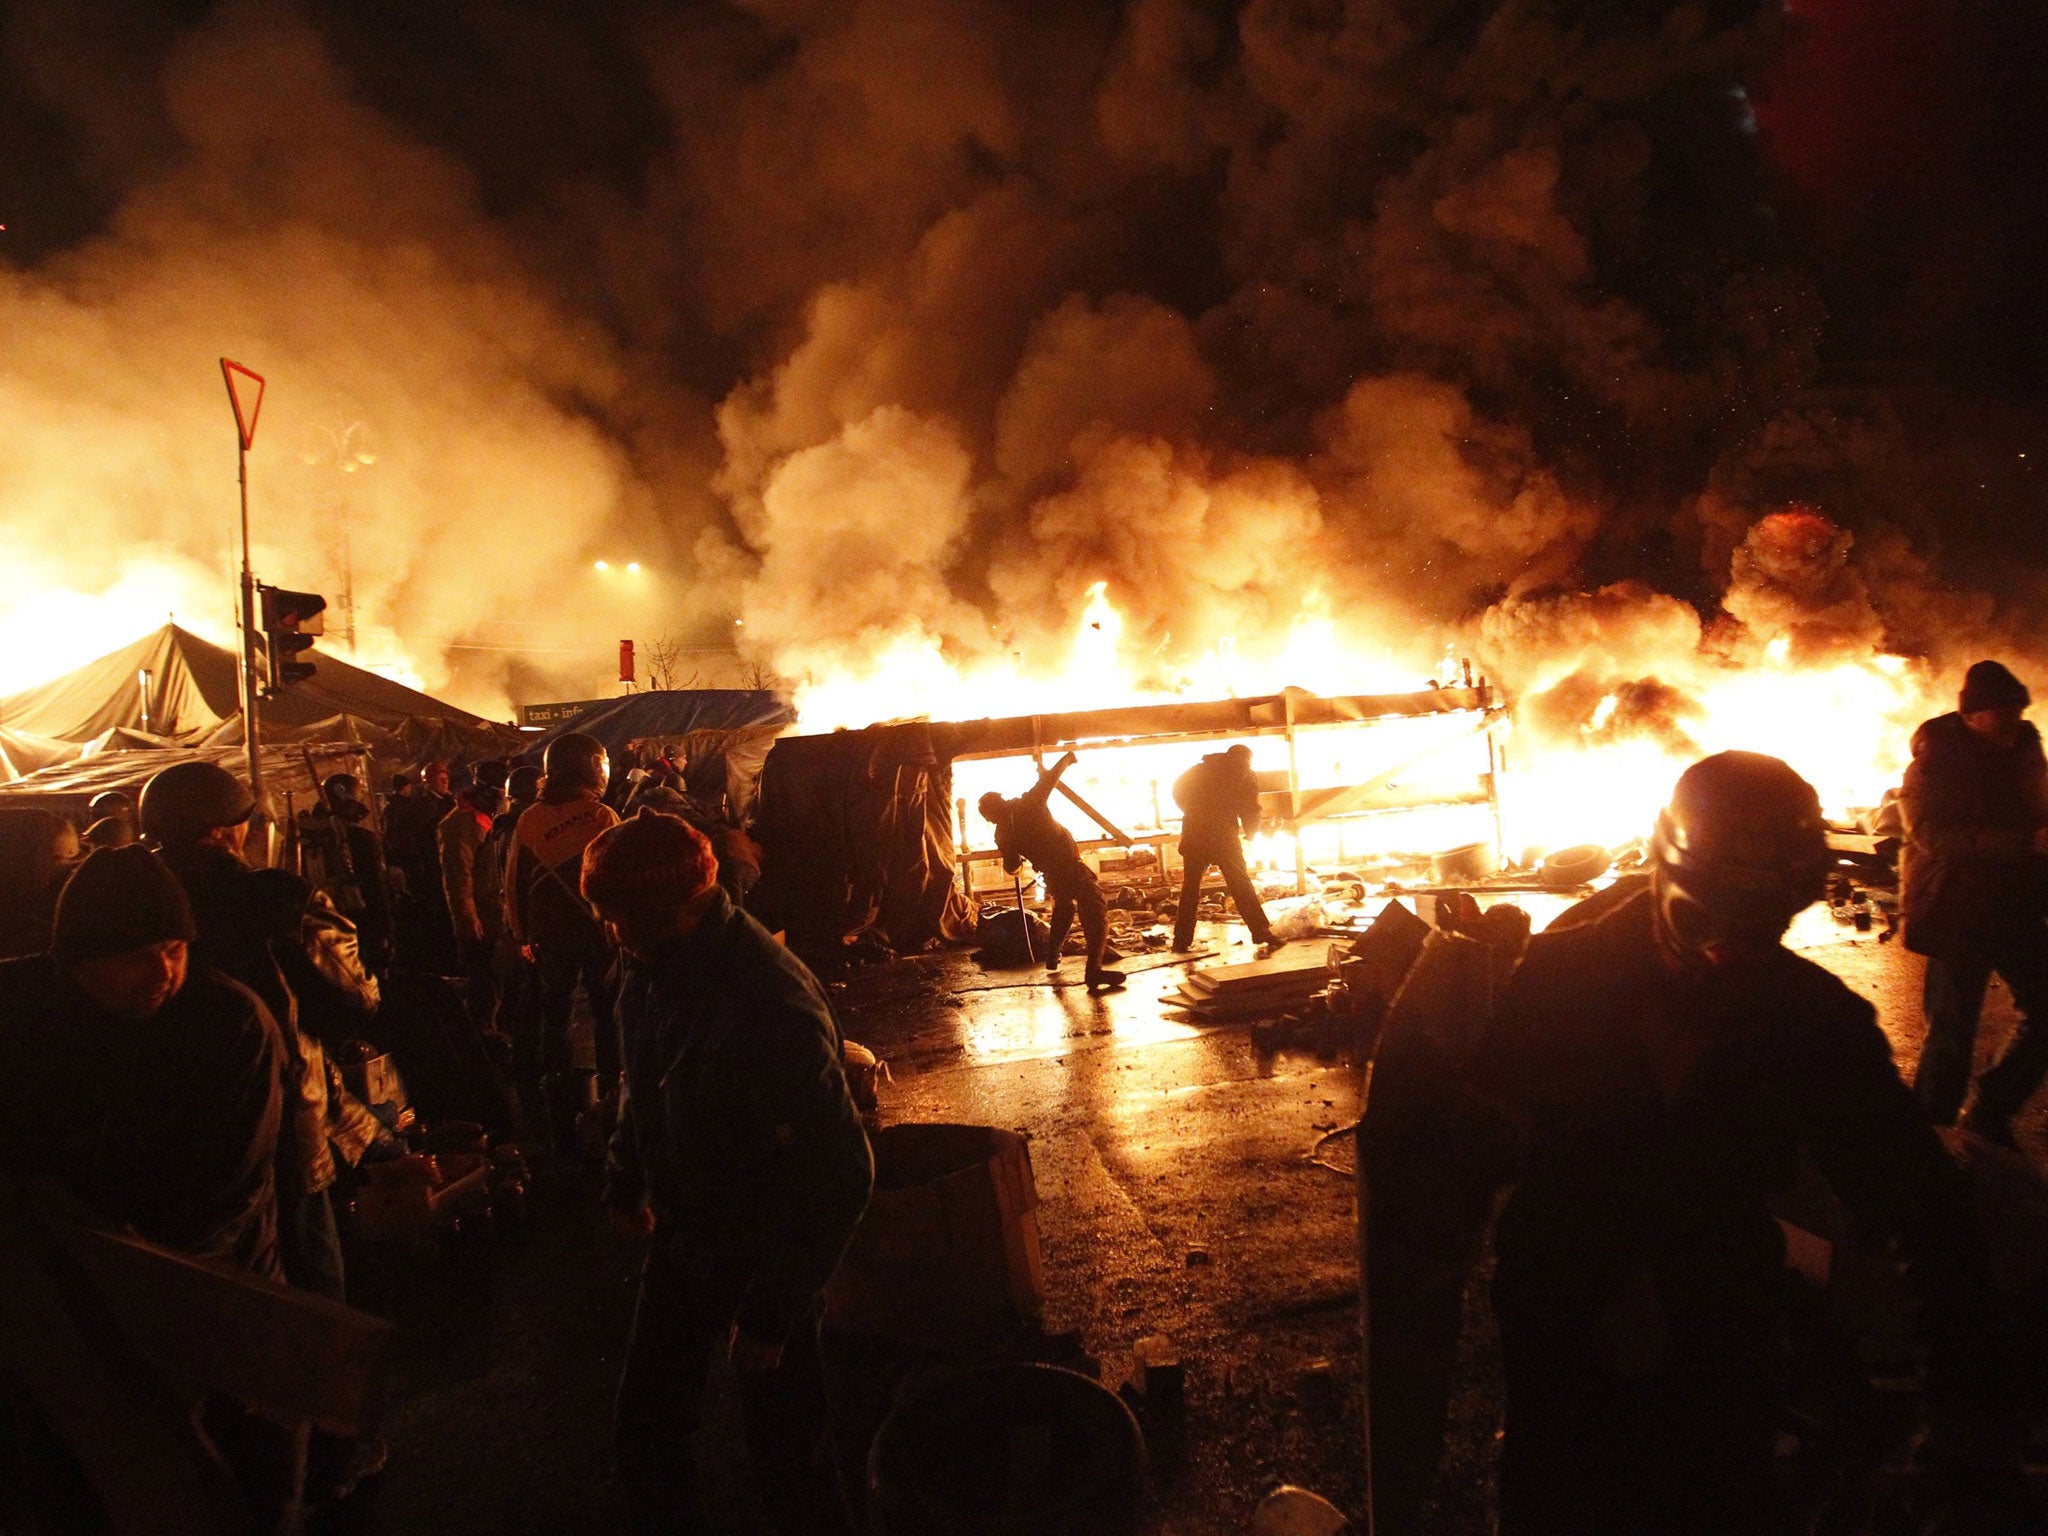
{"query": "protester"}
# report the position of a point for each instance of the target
(358, 884)
(739, 1152)
(262, 928)
(514, 980)
(143, 1082)
(1648, 1084)
(250, 926)
(146, 1085)
(522, 788)
(426, 937)
(113, 806)
(1026, 829)
(107, 832)
(1217, 796)
(38, 850)
(461, 838)
(1974, 888)
(547, 914)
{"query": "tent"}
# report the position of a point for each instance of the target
(858, 826)
(173, 689)
(290, 774)
(857, 832)
(722, 733)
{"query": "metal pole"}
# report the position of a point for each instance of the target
(1024, 918)
(1294, 802)
(251, 688)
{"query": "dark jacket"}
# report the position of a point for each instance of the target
(252, 928)
(167, 1124)
(1657, 1118)
(1970, 808)
(736, 1123)
(544, 903)
(1216, 797)
(1029, 830)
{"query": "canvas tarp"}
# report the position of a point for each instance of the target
(722, 733)
(288, 774)
(171, 688)
(856, 829)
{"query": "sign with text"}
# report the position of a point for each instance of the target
(546, 715)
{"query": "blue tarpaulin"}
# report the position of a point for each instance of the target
(707, 725)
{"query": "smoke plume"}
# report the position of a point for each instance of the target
(886, 328)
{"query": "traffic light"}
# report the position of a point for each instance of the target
(290, 621)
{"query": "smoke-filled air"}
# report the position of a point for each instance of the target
(949, 358)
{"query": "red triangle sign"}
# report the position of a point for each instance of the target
(245, 393)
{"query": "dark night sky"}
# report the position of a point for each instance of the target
(1910, 134)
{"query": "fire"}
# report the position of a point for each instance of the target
(1843, 723)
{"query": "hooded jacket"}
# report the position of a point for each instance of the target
(1971, 808)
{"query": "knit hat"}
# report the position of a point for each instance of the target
(118, 900)
(1987, 685)
(651, 857)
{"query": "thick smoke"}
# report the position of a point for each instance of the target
(893, 327)
(438, 425)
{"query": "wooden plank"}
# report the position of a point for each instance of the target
(135, 1443)
(1019, 735)
(286, 1355)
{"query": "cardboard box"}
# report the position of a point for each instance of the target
(948, 1253)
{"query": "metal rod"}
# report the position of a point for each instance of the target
(1023, 917)
(1500, 835)
(1294, 801)
(251, 689)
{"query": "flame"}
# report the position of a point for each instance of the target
(1843, 724)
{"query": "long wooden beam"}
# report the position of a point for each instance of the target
(1019, 735)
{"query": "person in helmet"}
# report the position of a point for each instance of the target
(366, 897)
(1648, 1082)
(546, 914)
(1974, 887)
(460, 839)
(250, 926)
(112, 805)
(514, 971)
(1218, 797)
(1026, 829)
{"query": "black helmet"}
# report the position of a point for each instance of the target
(1743, 837)
(188, 800)
(576, 761)
(109, 803)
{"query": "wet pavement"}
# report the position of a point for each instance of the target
(1179, 1194)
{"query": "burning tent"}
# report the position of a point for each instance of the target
(173, 689)
(868, 832)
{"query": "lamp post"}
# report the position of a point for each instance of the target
(346, 446)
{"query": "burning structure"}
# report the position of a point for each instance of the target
(1309, 342)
